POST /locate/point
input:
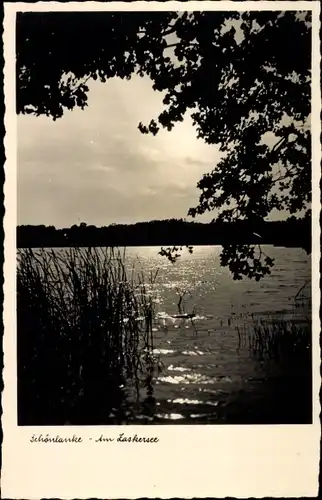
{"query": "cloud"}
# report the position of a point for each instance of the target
(195, 161)
(95, 165)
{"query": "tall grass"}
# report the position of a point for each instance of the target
(85, 341)
(284, 350)
(283, 340)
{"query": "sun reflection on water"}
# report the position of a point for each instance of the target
(189, 378)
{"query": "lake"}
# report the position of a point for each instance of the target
(209, 335)
(209, 375)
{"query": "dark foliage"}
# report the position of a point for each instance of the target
(239, 76)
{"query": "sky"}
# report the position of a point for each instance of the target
(95, 166)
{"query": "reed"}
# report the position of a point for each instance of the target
(283, 340)
(85, 340)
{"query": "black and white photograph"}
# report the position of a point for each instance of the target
(162, 246)
(164, 218)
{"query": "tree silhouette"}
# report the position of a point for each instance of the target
(243, 77)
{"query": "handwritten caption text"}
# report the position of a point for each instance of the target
(120, 438)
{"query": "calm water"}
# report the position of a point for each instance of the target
(206, 374)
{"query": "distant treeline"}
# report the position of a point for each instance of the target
(292, 233)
